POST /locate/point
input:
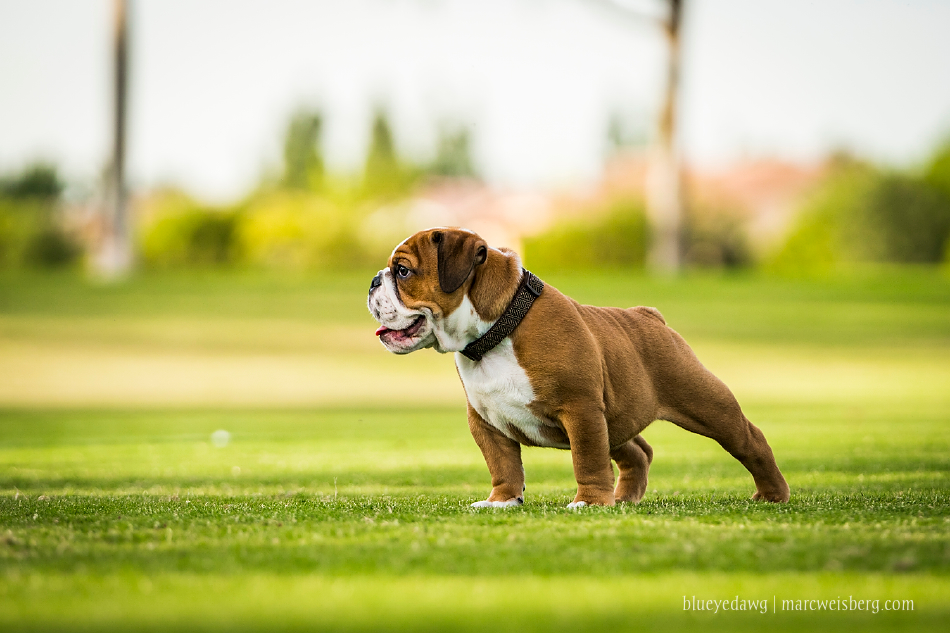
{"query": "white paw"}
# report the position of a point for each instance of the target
(576, 504)
(511, 503)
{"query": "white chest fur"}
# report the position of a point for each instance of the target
(500, 391)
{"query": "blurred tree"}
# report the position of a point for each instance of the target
(904, 219)
(861, 214)
(937, 176)
(383, 175)
(453, 155)
(303, 158)
(31, 230)
(664, 196)
(937, 173)
(664, 190)
(624, 132)
(616, 138)
(114, 256)
(38, 181)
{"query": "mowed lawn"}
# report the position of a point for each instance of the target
(337, 498)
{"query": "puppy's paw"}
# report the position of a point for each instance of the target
(592, 497)
(780, 496)
(511, 503)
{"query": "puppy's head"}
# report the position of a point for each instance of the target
(421, 298)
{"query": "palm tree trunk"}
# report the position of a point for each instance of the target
(115, 256)
(664, 191)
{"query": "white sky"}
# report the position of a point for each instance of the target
(215, 80)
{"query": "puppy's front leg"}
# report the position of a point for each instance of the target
(503, 456)
(590, 452)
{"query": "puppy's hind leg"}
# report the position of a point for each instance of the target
(633, 459)
(703, 404)
(725, 423)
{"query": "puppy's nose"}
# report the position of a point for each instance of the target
(376, 283)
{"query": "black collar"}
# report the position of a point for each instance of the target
(529, 290)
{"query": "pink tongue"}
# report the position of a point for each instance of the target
(381, 329)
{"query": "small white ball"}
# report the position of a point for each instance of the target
(220, 438)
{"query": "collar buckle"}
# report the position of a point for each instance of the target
(534, 285)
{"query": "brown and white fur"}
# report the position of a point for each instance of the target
(570, 376)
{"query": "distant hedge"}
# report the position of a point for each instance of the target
(31, 233)
(279, 229)
(862, 214)
(607, 238)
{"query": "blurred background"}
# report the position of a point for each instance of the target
(198, 427)
(181, 181)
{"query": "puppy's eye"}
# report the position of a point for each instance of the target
(402, 272)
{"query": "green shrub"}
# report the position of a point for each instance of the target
(39, 181)
(814, 243)
(715, 238)
(30, 235)
(612, 239)
(51, 247)
(14, 233)
(937, 172)
(275, 229)
(937, 175)
(297, 231)
(863, 215)
(189, 237)
(904, 220)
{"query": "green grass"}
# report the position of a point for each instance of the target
(352, 514)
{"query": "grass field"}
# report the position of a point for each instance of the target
(340, 499)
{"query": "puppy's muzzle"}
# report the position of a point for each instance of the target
(376, 283)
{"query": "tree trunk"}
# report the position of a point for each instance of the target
(664, 194)
(115, 255)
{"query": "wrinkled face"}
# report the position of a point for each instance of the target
(420, 298)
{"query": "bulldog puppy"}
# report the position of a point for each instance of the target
(540, 369)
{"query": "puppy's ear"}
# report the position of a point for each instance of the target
(459, 253)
